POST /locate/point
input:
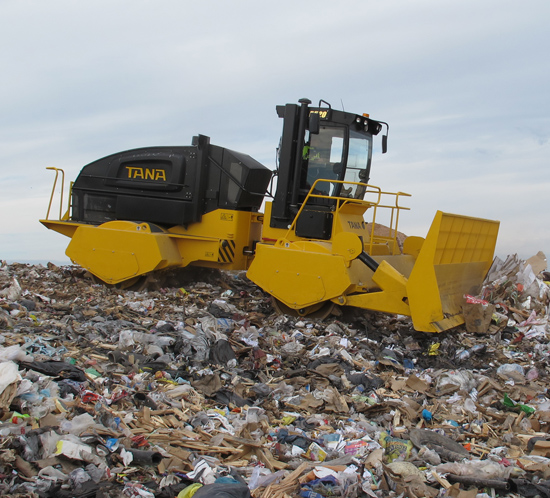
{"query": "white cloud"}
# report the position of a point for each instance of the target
(463, 86)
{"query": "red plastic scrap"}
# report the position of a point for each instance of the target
(139, 441)
(117, 396)
(258, 353)
(518, 338)
(474, 300)
(89, 397)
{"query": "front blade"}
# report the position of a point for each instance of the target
(453, 261)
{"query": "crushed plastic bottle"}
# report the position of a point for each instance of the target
(468, 353)
(511, 371)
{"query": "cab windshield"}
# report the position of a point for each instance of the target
(324, 155)
(358, 165)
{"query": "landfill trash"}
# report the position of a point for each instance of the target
(478, 314)
(200, 389)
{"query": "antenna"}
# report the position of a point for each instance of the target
(342, 102)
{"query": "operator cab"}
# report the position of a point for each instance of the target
(324, 157)
(320, 147)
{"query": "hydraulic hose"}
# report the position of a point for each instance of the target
(368, 260)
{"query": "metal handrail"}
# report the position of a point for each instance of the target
(62, 217)
(57, 171)
(375, 204)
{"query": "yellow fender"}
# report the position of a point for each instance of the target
(119, 250)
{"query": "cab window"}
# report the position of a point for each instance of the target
(324, 157)
(358, 164)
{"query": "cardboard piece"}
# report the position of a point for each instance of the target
(477, 316)
(538, 262)
(456, 492)
(416, 384)
(541, 448)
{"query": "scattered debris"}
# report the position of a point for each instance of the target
(200, 389)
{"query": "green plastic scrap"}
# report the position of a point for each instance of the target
(509, 403)
(374, 477)
(92, 372)
(190, 490)
(395, 448)
(16, 416)
(364, 399)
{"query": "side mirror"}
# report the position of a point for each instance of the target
(314, 123)
(384, 144)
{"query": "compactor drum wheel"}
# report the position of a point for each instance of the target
(318, 311)
(136, 284)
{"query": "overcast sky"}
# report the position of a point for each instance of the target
(464, 85)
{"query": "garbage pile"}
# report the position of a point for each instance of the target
(200, 389)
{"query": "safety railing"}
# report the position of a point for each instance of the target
(62, 216)
(371, 197)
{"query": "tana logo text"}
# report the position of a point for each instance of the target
(356, 225)
(135, 172)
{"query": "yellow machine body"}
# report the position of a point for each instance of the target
(427, 281)
(119, 251)
(327, 238)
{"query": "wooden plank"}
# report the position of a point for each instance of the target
(272, 463)
(261, 454)
(197, 445)
(179, 453)
(243, 454)
(146, 414)
(242, 441)
(178, 413)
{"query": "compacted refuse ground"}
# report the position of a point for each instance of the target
(197, 387)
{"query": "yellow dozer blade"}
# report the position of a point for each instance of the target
(453, 261)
